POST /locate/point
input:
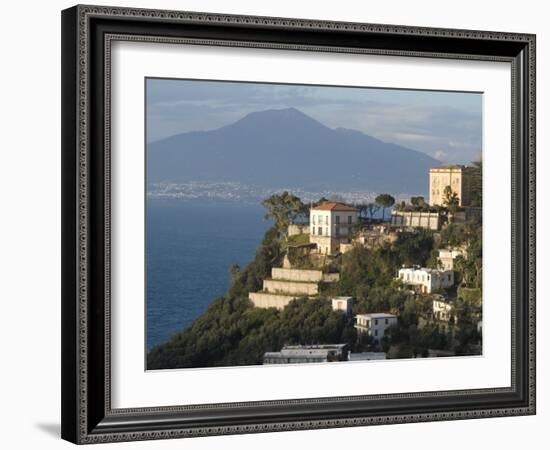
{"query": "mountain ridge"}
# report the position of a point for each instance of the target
(285, 147)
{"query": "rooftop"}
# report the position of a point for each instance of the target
(450, 166)
(307, 350)
(333, 206)
(423, 269)
(376, 316)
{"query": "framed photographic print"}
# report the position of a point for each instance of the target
(279, 224)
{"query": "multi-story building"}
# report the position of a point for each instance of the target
(331, 224)
(374, 324)
(426, 280)
(458, 177)
(302, 354)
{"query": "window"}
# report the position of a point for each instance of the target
(320, 231)
(313, 219)
(337, 231)
(326, 231)
(349, 219)
(376, 332)
(337, 219)
(386, 321)
(376, 321)
(326, 220)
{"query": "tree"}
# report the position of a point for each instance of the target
(450, 199)
(283, 209)
(385, 201)
(368, 210)
(476, 183)
(418, 201)
(234, 271)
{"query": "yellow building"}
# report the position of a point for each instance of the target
(457, 177)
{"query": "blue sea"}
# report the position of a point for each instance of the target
(190, 246)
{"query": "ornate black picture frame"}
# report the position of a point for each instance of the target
(87, 33)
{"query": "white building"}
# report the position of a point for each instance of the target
(447, 257)
(331, 224)
(374, 324)
(342, 304)
(426, 280)
(302, 354)
(366, 356)
(442, 310)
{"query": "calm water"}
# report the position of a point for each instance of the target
(190, 247)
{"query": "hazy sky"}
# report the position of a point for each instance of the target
(445, 125)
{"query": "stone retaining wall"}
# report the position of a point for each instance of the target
(266, 300)
(291, 287)
(296, 275)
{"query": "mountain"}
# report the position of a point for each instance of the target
(285, 149)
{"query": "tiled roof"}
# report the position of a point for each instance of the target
(333, 206)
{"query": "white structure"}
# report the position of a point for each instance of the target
(342, 304)
(375, 324)
(447, 257)
(331, 224)
(429, 220)
(296, 354)
(426, 280)
(366, 356)
(442, 310)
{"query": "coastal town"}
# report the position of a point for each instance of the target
(442, 291)
(336, 280)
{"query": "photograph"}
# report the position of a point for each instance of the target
(299, 224)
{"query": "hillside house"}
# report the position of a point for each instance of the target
(303, 354)
(426, 280)
(447, 256)
(442, 310)
(342, 304)
(331, 224)
(374, 324)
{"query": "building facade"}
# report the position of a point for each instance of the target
(303, 354)
(374, 324)
(331, 224)
(442, 310)
(428, 220)
(426, 280)
(458, 177)
(447, 256)
(343, 304)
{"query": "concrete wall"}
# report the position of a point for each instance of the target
(265, 300)
(415, 219)
(344, 248)
(296, 275)
(331, 277)
(295, 229)
(325, 244)
(291, 287)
